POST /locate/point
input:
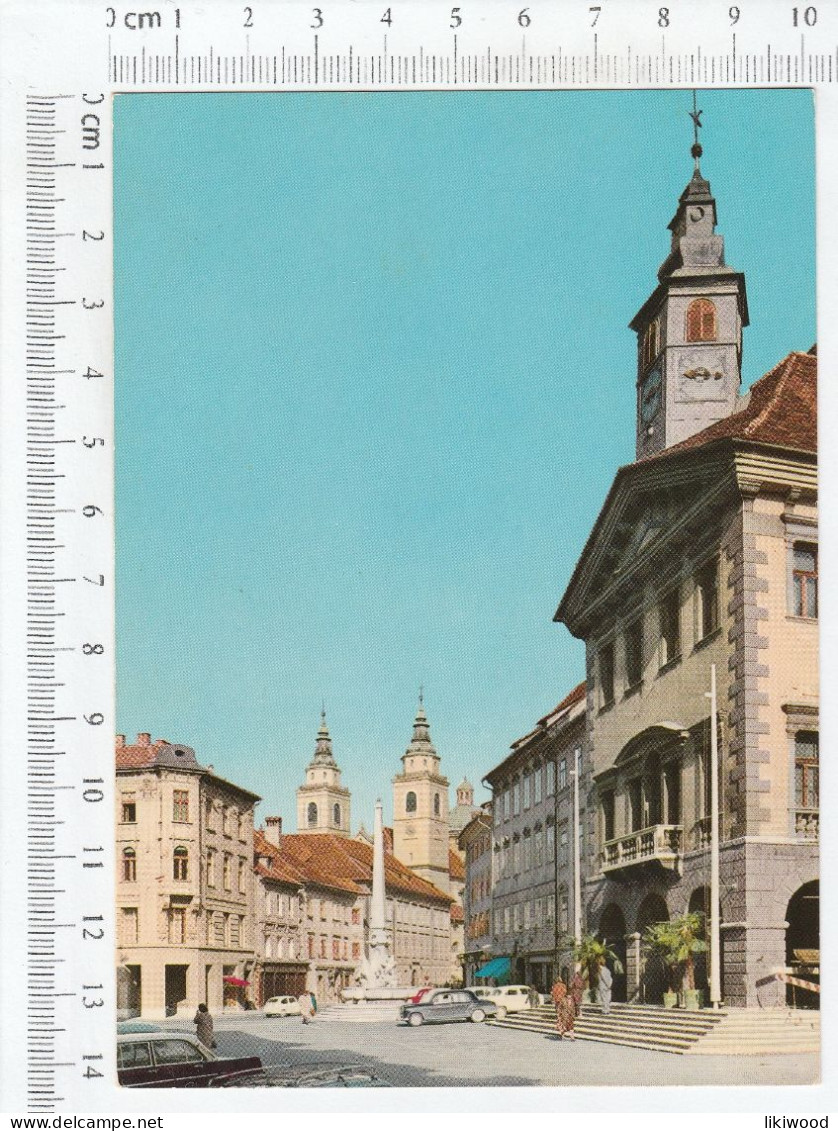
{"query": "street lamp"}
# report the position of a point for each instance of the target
(715, 910)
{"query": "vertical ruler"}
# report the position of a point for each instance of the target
(63, 62)
(69, 579)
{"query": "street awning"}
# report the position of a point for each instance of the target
(497, 968)
(231, 981)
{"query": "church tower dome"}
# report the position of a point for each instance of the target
(689, 331)
(420, 807)
(322, 802)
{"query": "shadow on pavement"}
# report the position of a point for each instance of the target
(235, 1042)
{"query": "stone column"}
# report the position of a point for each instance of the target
(634, 966)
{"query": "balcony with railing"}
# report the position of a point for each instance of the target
(661, 844)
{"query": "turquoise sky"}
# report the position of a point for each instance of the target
(373, 380)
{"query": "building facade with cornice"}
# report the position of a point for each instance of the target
(184, 890)
(533, 844)
(475, 843)
(705, 556)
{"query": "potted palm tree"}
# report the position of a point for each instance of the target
(591, 953)
(661, 938)
(677, 942)
(689, 935)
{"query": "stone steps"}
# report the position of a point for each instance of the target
(750, 1032)
(362, 1012)
(705, 1032)
(634, 1026)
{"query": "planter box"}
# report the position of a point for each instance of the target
(693, 999)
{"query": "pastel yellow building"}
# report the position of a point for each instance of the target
(184, 890)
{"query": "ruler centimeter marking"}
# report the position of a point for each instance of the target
(67, 830)
(41, 130)
(354, 68)
(67, 826)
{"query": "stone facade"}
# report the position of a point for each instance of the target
(184, 844)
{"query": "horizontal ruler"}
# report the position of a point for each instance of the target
(402, 45)
(325, 68)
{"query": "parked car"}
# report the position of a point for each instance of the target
(282, 1007)
(173, 1060)
(508, 999)
(448, 1005)
(316, 1075)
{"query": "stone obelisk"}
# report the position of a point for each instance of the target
(379, 944)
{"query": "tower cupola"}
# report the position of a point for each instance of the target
(689, 331)
(323, 802)
(420, 807)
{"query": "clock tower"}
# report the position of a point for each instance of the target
(689, 332)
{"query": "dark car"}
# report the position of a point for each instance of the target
(173, 1060)
(448, 1005)
(317, 1075)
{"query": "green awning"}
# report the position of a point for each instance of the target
(497, 968)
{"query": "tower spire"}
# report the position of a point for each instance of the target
(323, 747)
(696, 149)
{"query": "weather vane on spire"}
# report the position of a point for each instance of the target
(421, 694)
(695, 114)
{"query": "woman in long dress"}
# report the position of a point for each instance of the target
(565, 1010)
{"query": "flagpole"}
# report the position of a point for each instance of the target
(715, 909)
(577, 878)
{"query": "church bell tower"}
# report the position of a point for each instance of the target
(322, 802)
(689, 332)
(420, 808)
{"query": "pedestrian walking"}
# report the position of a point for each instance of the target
(313, 1004)
(565, 1010)
(604, 984)
(577, 991)
(204, 1026)
(305, 1007)
(533, 998)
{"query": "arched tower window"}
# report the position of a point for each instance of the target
(312, 814)
(410, 802)
(129, 864)
(701, 321)
(436, 804)
(336, 814)
(180, 864)
(651, 343)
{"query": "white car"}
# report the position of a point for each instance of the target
(508, 999)
(282, 1007)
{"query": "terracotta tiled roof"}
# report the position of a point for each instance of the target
(279, 868)
(577, 695)
(345, 864)
(570, 700)
(137, 757)
(456, 868)
(781, 410)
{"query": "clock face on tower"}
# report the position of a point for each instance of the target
(650, 395)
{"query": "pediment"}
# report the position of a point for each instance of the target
(652, 514)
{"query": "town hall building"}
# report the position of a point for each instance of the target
(705, 554)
